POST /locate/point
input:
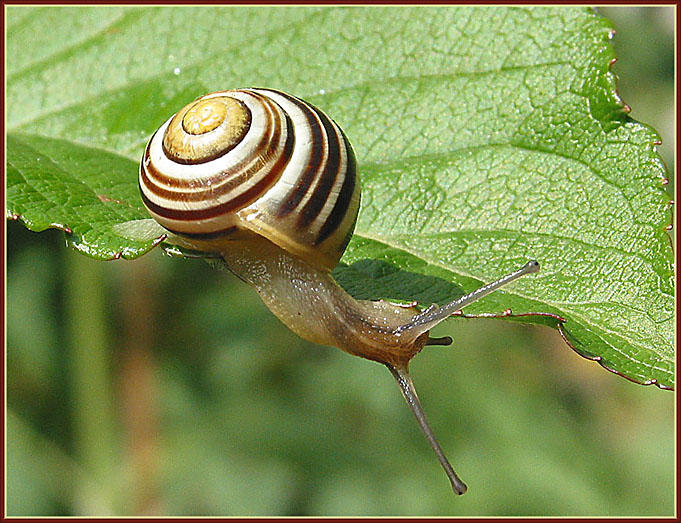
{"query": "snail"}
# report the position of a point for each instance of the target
(269, 183)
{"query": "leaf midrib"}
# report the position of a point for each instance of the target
(360, 86)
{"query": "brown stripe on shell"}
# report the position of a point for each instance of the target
(344, 198)
(348, 236)
(327, 177)
(296, 194)
(242, 200)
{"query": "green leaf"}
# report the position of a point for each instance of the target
(486, 136)
(84, 191)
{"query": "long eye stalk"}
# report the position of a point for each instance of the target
(425, 321)
(409, 392)
(433, 315)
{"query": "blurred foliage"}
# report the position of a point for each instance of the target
(112, 412)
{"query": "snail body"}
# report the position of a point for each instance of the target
(269, 183)
(291, 287)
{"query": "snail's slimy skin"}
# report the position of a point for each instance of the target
(308, 301)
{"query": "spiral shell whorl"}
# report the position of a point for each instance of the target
(205, 130)
(254, 159)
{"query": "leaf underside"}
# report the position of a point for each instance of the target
(486, 136)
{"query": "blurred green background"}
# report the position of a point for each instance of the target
(174, 391)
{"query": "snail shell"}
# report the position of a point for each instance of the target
(255, 159)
